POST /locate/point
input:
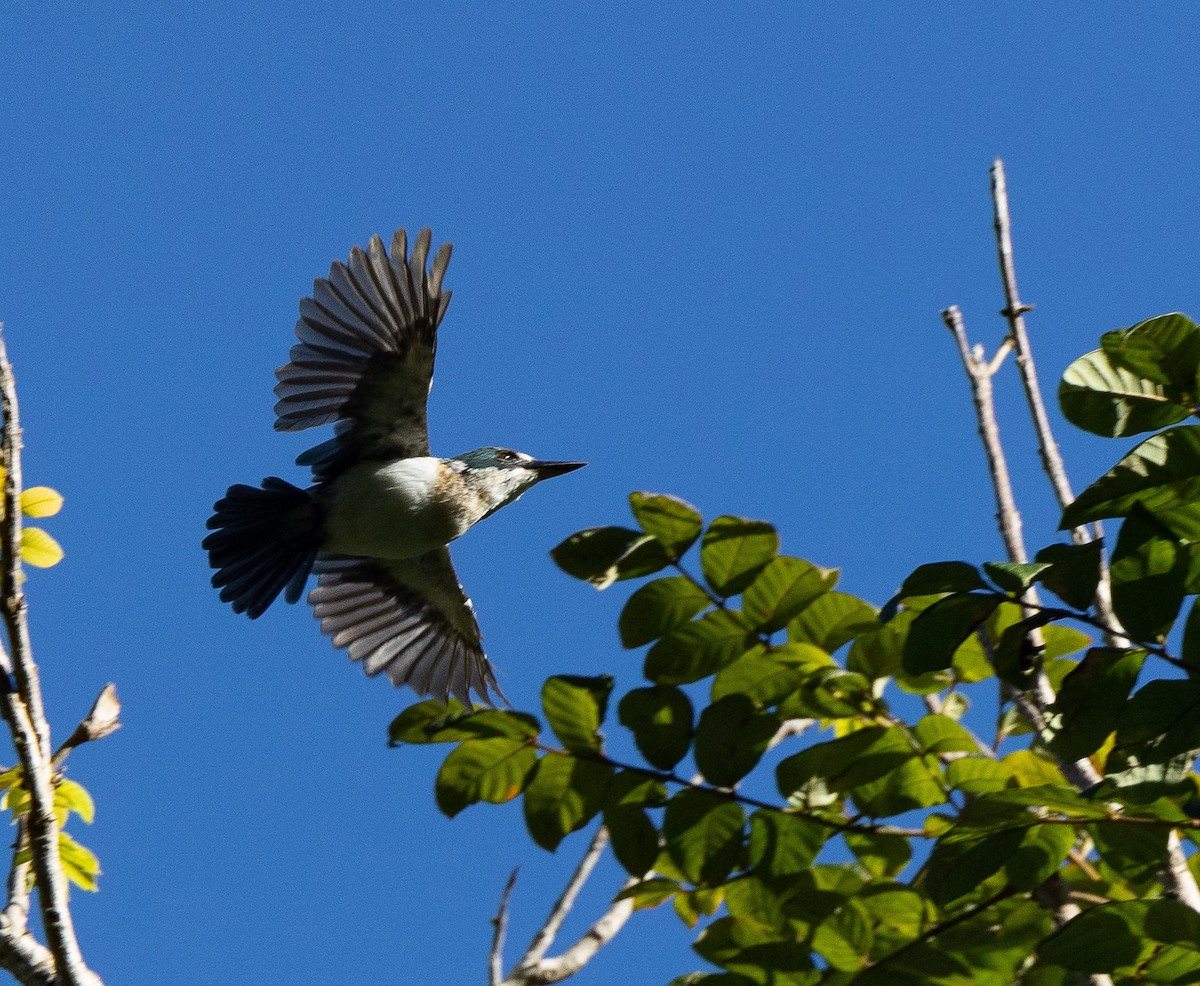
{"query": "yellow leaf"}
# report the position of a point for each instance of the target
(41, 501)
(39, 549)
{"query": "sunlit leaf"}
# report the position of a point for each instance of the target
(564, 794)
(41, 501)
(39, 549)
(1111, 401)
(575, 708)
(604, 555)
(673, 522)
(734, 551)
(659, 607)
(494, 770)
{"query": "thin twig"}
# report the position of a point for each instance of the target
(23, 710)
(562, 907)
(500, 928)
(1048, 451)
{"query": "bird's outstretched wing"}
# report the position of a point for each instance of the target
(365, 358)
(408, 619)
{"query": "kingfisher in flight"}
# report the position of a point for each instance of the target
(375, 523)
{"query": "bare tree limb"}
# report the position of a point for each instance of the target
(500, 928)
(1052, 461)
(562, 907)
(23, 710)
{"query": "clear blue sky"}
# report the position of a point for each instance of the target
(702, 246)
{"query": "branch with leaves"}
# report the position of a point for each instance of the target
(45, 858)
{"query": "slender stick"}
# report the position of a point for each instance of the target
(500, 928)
(23, 709)
(562, 907)
(1048, 451)
(534, 967)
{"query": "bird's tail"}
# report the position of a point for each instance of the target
(264, 542)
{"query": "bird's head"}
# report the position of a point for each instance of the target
(502, 475)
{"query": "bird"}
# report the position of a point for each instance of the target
(375, 523)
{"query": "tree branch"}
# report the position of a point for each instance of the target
(1178, 873)
(534, 967)
(1048, 451)
(24, 713)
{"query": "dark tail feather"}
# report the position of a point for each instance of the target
(264, 542)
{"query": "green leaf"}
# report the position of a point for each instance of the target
(673, 522)
(564, 794)
(977, 775)
(79, 863)
(1113, 937)
(1162, 474)
(768, 675)
(1111, 401)
(941, 629)
(70, 796)
(659, 607)
(1074, 571)
(1091, 700)
(881, 854)
(1148, 573)
(433, 722)
(734, 551)
(661, 720)
(782, 845)
(1136, 852)
(783, 589)
(493, 770)
(1012, 577)
(846, 763)
(604, 555)
(941, 734)
(634, 837)
(697, 650)
(39, 549)
(955, 869)
(41, 501)
(1164, 350)
(1162, 718)
(703, 834)
(575, 708)
(829, 693)
(649, 893)
(731, 737)
(832, 620)
(1040, 854)
(942, 576)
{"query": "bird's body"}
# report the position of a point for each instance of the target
(376, 522)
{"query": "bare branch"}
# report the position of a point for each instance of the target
(500, 928)
(562, 907)
(1048, 451)
(23, 710)
(534, 967)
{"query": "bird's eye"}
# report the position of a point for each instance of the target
(506, 455)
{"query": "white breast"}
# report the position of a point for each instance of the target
(388, 510)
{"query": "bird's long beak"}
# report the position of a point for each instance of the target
(546, 470)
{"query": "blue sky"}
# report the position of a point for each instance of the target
(702, 246)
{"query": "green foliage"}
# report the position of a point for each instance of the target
(817, 788)
(80, 864)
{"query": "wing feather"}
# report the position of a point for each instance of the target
(408, 619)
(367, 341)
